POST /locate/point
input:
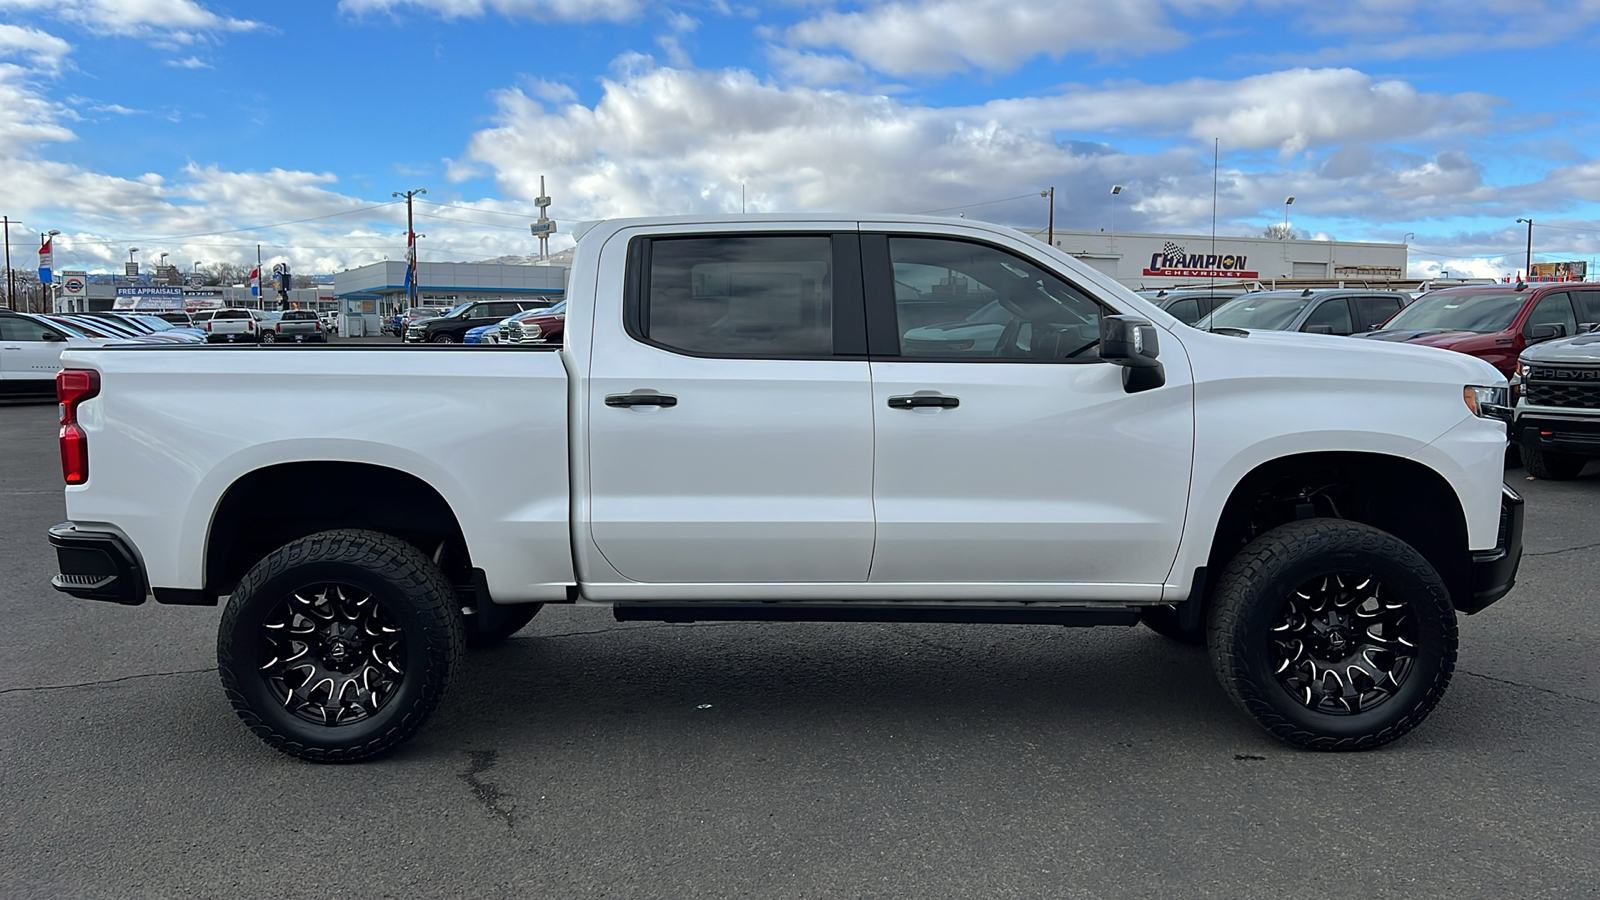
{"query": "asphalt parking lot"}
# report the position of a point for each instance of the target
(590, 758)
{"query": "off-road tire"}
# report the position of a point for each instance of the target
(411, 591)
(1253, 593)
(512, 619)
(1550, 465)
(1163, 620)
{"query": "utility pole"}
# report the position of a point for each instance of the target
(1527, 268)
(11, 280)
(411, 245)
(1050, 229)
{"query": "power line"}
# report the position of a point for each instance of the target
(971, 205)
(492, 212)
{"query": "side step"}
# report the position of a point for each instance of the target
(860, 612)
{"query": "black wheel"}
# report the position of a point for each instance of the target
(1550, 465)
(487, 628)
(1163, 620)
(268, 337)
(444, 337)
(338, 646)
(1333, 635)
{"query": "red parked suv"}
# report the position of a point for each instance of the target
(1495, 322)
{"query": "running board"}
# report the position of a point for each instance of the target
(859, 612)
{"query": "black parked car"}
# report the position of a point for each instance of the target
(452, 327)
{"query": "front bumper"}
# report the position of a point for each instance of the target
(96, 565)
(1558, 433)
(1494, 572)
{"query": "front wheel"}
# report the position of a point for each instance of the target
(338, 646)
(1550, 465)
(1333, 635)
(444, 337)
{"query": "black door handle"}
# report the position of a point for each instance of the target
(625, 400)
(916, 401)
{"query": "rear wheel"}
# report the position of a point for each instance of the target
(338, 646)
(1333, 635)
(268, 337)
(1550, 465)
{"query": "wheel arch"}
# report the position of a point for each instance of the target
(1401, 496)
(273, 505)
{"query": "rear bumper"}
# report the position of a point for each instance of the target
(1494, 572)
(96, 565)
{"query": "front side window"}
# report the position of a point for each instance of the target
(1374, 311)
(961, 300)
(1333, 315)
(18, 329)
(1554, 309)
(1186, 310)
(748, 295)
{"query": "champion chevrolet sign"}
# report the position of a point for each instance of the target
(1175, 262)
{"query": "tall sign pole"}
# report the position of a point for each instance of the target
(11, 280)
(542, 228)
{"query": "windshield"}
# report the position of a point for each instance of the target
(458, 309)
(1260, 312)
(1484, 313)
(155, 322)
(70, 331)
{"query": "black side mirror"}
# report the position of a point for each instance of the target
(1546, 331)
(1588, 327)
(1319, 329)
(1131, 342)
(53, 337)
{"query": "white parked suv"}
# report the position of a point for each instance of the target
(736, 428)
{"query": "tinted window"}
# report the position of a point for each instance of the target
(1186, 310)
(955, 299)
(1588, 305)
(1331, 314)
(18, 329)
(754, 296)
(1267, 312)
(299, 315)
(1374, 311)
(232, 314)
(1553, 309)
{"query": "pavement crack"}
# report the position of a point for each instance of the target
(648, 627)
(487, 793)
(84, 684)
(1567, 550)
(1532, 687)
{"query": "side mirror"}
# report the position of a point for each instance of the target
(1319, 329)
(1546, 332)
(1131, 342)
(53, 337)
(1588, 327)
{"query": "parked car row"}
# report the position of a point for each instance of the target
(541, 325)
(452, 326)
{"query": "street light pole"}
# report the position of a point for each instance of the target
(1527, 267)
(1050, 229)
(1287, 202)
(11, 281)
(1115, 190)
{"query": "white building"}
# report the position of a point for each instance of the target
(383, 284)
(1164, 260)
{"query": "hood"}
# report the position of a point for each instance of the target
(425, 322)
(1585, 348)
(1428, 337)
(1327, 353)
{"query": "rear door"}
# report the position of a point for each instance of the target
(730, 411)
(1372, 312)
(1017, 459)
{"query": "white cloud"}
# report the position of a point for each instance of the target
(173, 21)
(189, 62)
(549, 10)
(936, 37)
(816, 68)
(36, 48)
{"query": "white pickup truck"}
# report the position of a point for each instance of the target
(738, 427)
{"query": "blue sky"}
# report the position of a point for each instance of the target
(181, 127)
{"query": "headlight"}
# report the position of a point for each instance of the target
(531, 332)
(1488, 401)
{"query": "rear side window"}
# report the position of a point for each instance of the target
(1186, 310)
(753, 296)
(1374, 311)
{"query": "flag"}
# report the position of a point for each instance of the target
(46, 260)
(411, 258)
(255, 282)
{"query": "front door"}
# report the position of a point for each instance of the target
(1007, 452)
(29, 350)
(730, 412)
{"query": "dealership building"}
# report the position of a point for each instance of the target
(1141, 261)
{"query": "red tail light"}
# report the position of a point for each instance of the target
(73, 386)
(208, 324)
(249, 324)
(278, 327)
(319, 326)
